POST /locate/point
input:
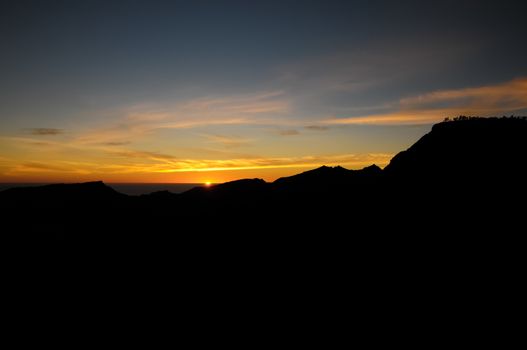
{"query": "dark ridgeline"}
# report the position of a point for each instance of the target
(447, 212)
(470, 169)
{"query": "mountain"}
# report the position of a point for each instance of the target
(239, 189)
(89, 191)
(327, 179)
(474, 169)
(445, 216)
(468, 149)
(471, 170)
(440, 228)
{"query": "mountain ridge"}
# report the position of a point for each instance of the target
(368, 228)
(449, 166)
(429, 154)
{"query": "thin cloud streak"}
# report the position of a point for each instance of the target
(116, 143)
(435, 106)
(316, 127)
(45, 131)
(289, 132)
(227, 141)
(511, 95)
(39, 166)
(397, 118)
(142, 155)
(139, 121)
(151, 163)
(198, 165)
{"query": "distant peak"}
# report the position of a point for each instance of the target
(372, 167)
(245, 181)
(325, 167)
(92, 184)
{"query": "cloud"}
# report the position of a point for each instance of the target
(37, 143)
(46, 131)
(142, 154)
(289, 132)
(435, 106)
(16, 168)
(116, 143)
(349, 77)
(507, 96)
(227, 141)
(259, 103)
(116, 162)
(38, 166)
(316, 86)
(141, 120)
(396, 118)
(173, 165)
(316, 127)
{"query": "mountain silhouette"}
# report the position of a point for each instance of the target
(442, 222)
(239, 189)
(327, 179)
(473, 147)
(89, 191)
(471, 169)
(466, 174)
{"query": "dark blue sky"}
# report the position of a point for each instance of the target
(83, 67)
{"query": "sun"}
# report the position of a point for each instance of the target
(208, 183)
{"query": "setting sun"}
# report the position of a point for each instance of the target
(208, 183)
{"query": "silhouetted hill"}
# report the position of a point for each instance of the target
(466, 150)
(96, 190)
(444, 215)
(234, 189)
(474, 165)
(327, 179)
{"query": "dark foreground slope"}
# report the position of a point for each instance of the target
(468, 173)
(433, 243)
(461, 178)
(467, 150)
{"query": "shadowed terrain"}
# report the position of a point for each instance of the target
(472, 166)
(456, 195)
(437, 231)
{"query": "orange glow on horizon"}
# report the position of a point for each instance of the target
(195, 177)
(154, 169)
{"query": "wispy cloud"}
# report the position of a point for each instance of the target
(39, 166)
(16, 168)
(116, 143)
(153, 163)
(227, 141)
(346, 78)
(288, 132)
(36, 143)
(187, 165)
(145, 119)
(45, 131)
(316, 127)
(395, 118)
(511, 95)
(142, 155)
(435, 106)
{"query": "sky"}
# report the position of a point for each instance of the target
(213, 91)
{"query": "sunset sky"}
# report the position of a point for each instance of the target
(197, 91)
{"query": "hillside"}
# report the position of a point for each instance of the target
(475, 148)
(474, 165)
